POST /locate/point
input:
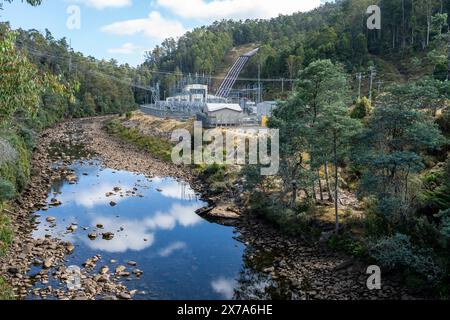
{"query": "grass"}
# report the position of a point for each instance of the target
(6, 236)
(157, 147)
(6, 292)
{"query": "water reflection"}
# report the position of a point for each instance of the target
(154, 223)
(224, 287)
(172, 248)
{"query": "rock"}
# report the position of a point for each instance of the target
(117, 189)
(113, 204)
(159, 190)
(55, 202)
(344, 265)
(71, 178)
(48, 263)
(13, 270)
(138, 272)
(90, 263)
(70, 248)
(102, 278)
(72, 228)
(120, 269)
(124, 296)
(104, 270)
(99, 226)
(223, 211)
(92, 236)
(50, 219)
(269, 270)
(132, 263)
(108, 236)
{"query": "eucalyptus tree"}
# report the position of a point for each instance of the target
(305, 145)
(390, 152)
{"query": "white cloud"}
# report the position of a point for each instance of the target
(126, 48)
(93, 196)
(154, 26)
(225, 287)
(102, 4)
(177, 190)
(170, 249)
(236, 9)
(131, 239)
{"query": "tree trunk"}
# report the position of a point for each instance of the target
(314, 190)
(336, 179)
(294, 194)
(327, 179)
(428, 23)
(320, 185)
(448, 69)
(403, 25)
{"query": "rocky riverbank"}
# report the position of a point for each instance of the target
(308, 269)
(48, 254)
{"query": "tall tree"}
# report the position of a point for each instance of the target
(390, 152)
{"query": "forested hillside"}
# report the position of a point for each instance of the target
(335, 31)
(44, 81)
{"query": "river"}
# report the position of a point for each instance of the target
(153, 224)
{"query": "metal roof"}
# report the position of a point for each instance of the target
(212, 107)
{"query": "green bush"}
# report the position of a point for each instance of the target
(399, 253)
(348, 244)
(7, 190)
(6, 234)
(17, 171)
(28, 136)
(362, 109)
(6, 292)
(444, 226)
(293, 221)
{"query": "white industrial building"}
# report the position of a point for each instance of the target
(196, 93)
(223, 114)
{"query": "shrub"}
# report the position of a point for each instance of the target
(362, 109)
(6, 292)
(444, 121)
(128, 115)
(399, 253)
(7, 190)
(6, 235)
(28, 137)
(445, 224)
(7, 152)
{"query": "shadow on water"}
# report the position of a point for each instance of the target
(153, 222)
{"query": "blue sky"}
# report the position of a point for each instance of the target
(125, 29)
